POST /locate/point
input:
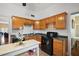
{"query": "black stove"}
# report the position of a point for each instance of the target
(47, 42)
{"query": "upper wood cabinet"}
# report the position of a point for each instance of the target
(17, 22)
(36, 25)
(28, 22)
(39, 25)
(60, 22)
(42, 24)
(57, 21)
(50, 20)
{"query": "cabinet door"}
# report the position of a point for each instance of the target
(17, 22)
(28, 22)
(36, 25)
(61, 21)
(39, 25)
(42, 25)
(50, 20)
(57, 47)
(38, 38)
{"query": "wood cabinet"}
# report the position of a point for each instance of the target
(50, 20)
(35, 37)
(39, 25)
(38, 38)
(57, 21)
(17, 22)
(60, 22)
(36, 25)
(59, 47)
(28, 21)
(42, 24)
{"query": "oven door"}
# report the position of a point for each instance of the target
(47, 45)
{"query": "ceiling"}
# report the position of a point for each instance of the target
(38, 6)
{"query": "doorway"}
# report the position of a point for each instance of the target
(75, 34)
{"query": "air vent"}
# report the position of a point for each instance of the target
(32, 15)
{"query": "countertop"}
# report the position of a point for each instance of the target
(4, 49)
(61, 38)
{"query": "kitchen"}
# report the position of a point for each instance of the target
(39, 22)
(42, 25)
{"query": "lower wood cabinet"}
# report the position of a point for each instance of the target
(59, 47)
(35, 37)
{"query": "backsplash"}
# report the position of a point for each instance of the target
(29, 29)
